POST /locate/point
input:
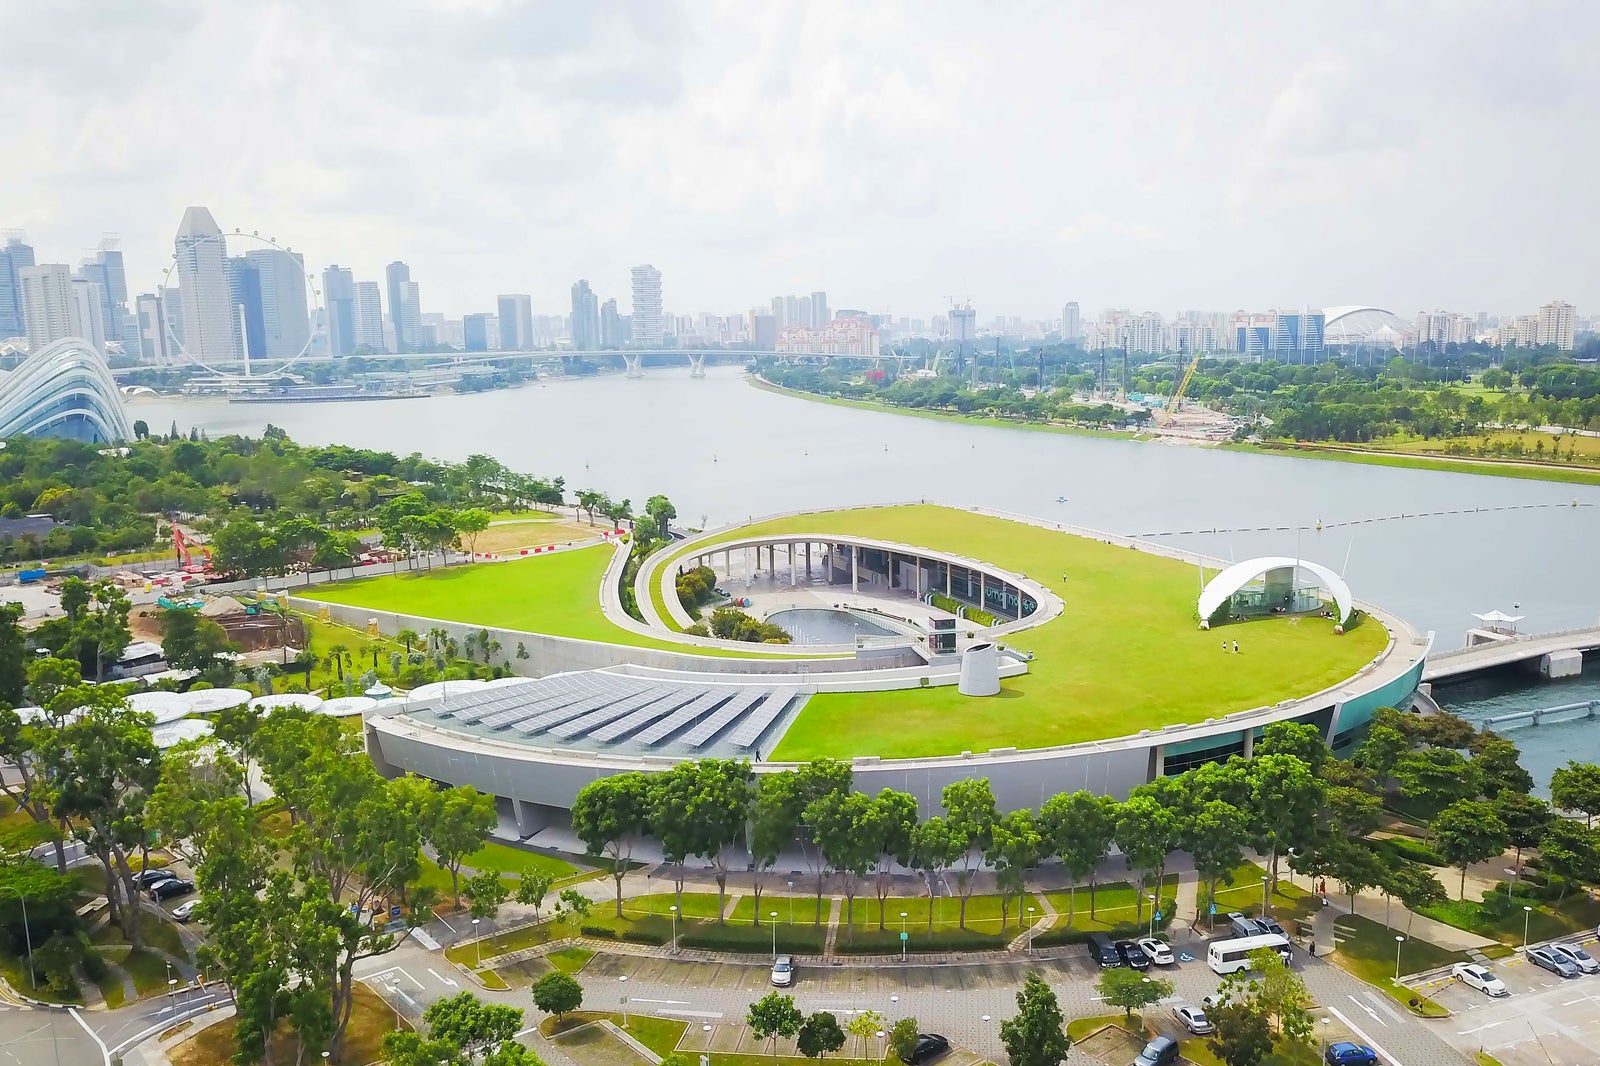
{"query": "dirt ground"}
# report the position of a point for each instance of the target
(369, 1021)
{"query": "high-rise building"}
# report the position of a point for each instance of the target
(648, 324)
(963, 332)
(516, 322)
(585, 317)
(339, 299)
(1071, 322)
(819, 310)
(106, 270)
(152, 318)
(611, 335)
(210, 323)
(244, 296)
(88, 313)
(409, 324)
(398, 275)
(285, 316)
(1558, 326)
(475, 332)
(15, 255)
(368, 316)
(49, 306)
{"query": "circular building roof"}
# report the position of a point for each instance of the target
(173, 733)
(344, 706)
(1222, 587)
(1356, 324)
(166, 706)
(210, 700)
(286, 699)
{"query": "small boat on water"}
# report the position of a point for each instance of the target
(1061, 499)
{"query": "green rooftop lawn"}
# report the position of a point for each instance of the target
(1127, 654)
(557, 594)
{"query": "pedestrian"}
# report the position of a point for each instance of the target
(1236, 647)
(1313, 947)
(1224, 645)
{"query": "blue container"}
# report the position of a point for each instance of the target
(31, 575)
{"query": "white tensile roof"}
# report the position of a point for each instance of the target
(1222, 587)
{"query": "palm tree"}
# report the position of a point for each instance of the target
(407, 637)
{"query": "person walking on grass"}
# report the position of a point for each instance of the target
(1236, 647)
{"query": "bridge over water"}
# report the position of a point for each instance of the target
(1523, 648)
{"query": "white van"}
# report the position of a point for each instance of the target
(1231, 956)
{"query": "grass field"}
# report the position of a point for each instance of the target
(1126, 654)
(556, 594)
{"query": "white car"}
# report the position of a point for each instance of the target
(1193, 1019)
(1480, 977)
(1577, 956)
(185, 910)
(783, 971)
(1156, 951)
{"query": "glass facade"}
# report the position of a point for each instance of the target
(63, 390)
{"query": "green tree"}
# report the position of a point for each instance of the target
(469, 524)
(1277, 992)
(969, 813)
(1214, 835)
(1380, 752)
(557, 993)
(774, 820)
(1576, 787)
(532, 888)
(843, 826)
(1131, 990)
(1498, 769)
(1147, 831)
(1466, 832)
(1080, 828)
(1243, 1034)
(455, 823)
(890, 824)
(903, 1038)
(661, 513)
(13, 655)
(1414, 885)
(472, 1025)
(819, 1034)
(933, 850)
(1300, 739)
(610, 815)
(1355, 865)
(1525, 817)
(865, 1027)
(772, 1016)
(700, 808)
(486, 894)
(1015, 847)
(1571, 852)
(1434, 778)
(1035, 1036)
(239, 729)
(1287, 799)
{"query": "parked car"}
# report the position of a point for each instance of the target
(1480, 977)
(1577, 956)
(1162, 1051)
(929, 1046)
(1559, 965)
(185, 910)
(175, 886)
(1156, 951)
(783, 971)
(1193, 1019)
(1103, 950)
(1269, 925)
(1131, 956)
(1344, 1053)
(153, 876)
(1243, 926)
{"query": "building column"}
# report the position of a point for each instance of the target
(855, 568)
(947, 579)
(1159, 753)
(1019, 603)
(1249, 743)
(794, 578)
(808, 560)
(772, 562)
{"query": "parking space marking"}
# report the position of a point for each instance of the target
(694, 1013)
(668, 1002)
(1363, 1006)
(1379, 1048)
(1480, 1028)
(1580, 999)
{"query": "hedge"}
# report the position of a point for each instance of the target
(632, 936)
(887, 942)
(742, 936)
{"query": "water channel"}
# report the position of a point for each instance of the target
(724, 450)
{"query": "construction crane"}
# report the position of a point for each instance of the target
(185, 551)
(1171, 408)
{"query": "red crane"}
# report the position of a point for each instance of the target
(186, 549)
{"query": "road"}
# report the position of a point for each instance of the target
(34, 1036)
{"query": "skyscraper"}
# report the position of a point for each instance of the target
(106, 270)
(210, 325)
(1557, 325)
(397, 274)
(152, 329)
(285, 317)
(516, 322)
(1071, 322)
(819, 310)
(48, 304)
(611, 326)
(475, 332)
(339, 297)
(409, 321)
(89, 313)
(648, 328)
(15, 256)
(368, 316)
(244, 295)
(963, 331)
(585, 317)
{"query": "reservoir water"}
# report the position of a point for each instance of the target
(1544, 746)
(724, 450)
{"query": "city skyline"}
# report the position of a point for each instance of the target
(775, 150)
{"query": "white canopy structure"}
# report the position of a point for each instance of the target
(1220, 589)
(166, 706)
(268, 704)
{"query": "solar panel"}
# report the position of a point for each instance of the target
(685, 716)
(700, 702)
(675, 696)
(758, 720)
(635, 695)
(714, 723)
(562, 692)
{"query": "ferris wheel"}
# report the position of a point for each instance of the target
(237, 299)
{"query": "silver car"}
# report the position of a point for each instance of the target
(1193, 1019)
(783, 971)
(1577, 956)
(1559, 965)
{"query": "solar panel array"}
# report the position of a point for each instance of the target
(602, 708)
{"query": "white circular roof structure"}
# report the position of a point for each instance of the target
(1355, 324)
(434, 690)
(211, 700)
(172, 734)
(344, 706)
(269, 704)
(1220, 589)
(506, 682)
(166, 706)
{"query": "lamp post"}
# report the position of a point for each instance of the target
(903, 938)
(1398, 940)
(674, 910)
(27, 935)
(476, 943)
(773, 921)
(1527, 912)
(1325, 1020)
(1266, 895)
(172, 992)
(791, 902)
(1152, 900)
(1030, 930)
(623, 981)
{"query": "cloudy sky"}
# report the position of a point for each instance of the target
(1152, 155)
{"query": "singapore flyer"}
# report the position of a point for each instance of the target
(246, 304)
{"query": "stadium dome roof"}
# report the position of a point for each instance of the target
(1356, 324)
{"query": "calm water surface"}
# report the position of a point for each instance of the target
(1547, 745)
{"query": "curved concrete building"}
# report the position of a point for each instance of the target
(63, 390)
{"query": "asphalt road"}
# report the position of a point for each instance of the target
(35, 1036)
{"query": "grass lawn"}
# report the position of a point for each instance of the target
(983, 914)
(1577, 913)
(511, 536)
(509, 860)
(1343, 453)
(15, 969)
(527, 936)
(1367, 949)
(556, 594)
(1078, 1028)
(111, 990)
(492, 980)
(569, 960)
(1096, 673)
(438, 877)
(149, 972)
(1115, 903)
(156, 933)
(695, 905)
(370, 1019)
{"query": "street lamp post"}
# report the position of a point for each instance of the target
(1398, 940)
(1030, 930)
(772, 918)
(172, 992)
(1153, 901)
(27, 935)
(791, 902)
(674, 910)
(1527, 912)
(476, 943)
(623, 981)
(1266, 895)
(903, 937)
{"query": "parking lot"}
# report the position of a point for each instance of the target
(1545, 1020)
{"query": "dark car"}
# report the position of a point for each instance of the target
(1556, 964)
(929, 1047)
(1103, 950)
(1161, 1051)
(1344, 1053)
(175, 886)
(152, 876)
(1132, 956)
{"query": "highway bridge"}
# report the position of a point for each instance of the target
(1528, 648)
